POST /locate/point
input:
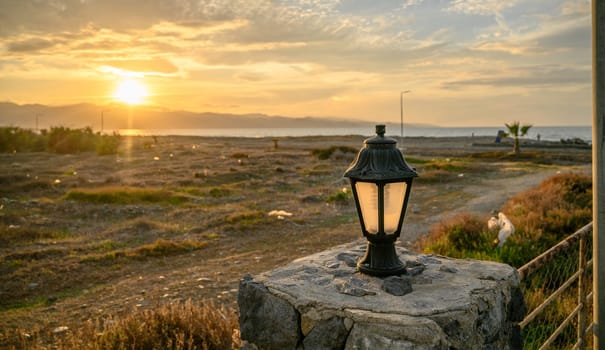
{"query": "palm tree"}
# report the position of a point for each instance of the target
(517, 130)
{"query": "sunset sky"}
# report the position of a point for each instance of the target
(466, 62)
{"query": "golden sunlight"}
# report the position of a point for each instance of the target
(130, 91)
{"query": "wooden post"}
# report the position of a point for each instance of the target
(598, 170)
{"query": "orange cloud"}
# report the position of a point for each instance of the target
(155, 65)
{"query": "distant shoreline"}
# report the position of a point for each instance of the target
(552, 133)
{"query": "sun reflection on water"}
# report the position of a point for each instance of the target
(132, 132)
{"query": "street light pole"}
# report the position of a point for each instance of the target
(401, 110)
(102, 112)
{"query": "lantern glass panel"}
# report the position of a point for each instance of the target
(393, 204)
(367, 193)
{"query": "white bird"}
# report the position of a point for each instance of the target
(506, 229)
(504, 224)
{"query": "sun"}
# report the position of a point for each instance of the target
(130, 91)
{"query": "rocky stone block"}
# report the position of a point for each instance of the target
(323, 302)
(266, 321)
(327, 335)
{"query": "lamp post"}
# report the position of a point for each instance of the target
(401, 109)
(381, 181)
(102, 119)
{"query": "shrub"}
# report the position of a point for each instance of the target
(179, 326)
(458, 236)
(341, 197)
(325, 153)
(162, 247)
(176, 326)
(58, 139)
(20, 140)
(108, 144)
(65, 140)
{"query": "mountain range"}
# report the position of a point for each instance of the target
(119, 116)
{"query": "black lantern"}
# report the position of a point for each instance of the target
(381, 181)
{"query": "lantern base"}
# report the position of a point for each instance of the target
(381, 260)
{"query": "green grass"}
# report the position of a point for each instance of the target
(212, 236)
(30, 303)
(126, 195)
(109, 254)
(246, 220)
(320, 170)
(447, 164)
(441, 170)
(435, 177)
(219, 192)
(163, 247)
(414, 160)
(107, 245)
(535, 157)
(341, 197)
(326, 153)
(10, 235)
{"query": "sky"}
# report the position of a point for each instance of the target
(460, 62)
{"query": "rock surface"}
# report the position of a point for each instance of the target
(322, 302)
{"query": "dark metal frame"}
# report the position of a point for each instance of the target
(380, 162)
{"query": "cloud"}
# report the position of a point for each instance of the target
(558, 32)
(28, 45)
(480, 7)
(574, 36)
(71, 15)
(303, 94)
(542, 76)
(411, 3)
(155, 65)
(216, 32)
(251, 76)
(575, 7)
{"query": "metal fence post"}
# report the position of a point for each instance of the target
(582, 295)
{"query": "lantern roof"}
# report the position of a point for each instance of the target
(380, 160)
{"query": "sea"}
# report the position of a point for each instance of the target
(546, 133)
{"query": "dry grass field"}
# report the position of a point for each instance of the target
(85, 237)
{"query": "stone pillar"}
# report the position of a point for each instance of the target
(322, 302)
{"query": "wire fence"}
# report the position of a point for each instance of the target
(557, 286)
